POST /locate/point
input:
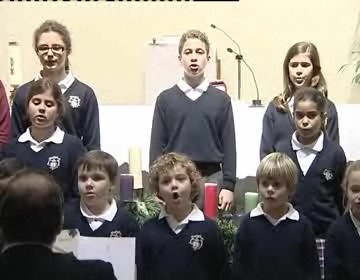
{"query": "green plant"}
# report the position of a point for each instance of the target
(356, 78)
(356, 64)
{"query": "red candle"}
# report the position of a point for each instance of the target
(210, 200)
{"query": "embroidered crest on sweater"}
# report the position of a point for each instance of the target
(53, 162)
(74, 101)
(328, 174)
(196, 242)
(115, 233)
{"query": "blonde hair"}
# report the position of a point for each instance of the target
(278, 165)
(194, 34)
(352, 167)
(167, 162)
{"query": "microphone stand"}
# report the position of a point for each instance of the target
(255, 102)
(237, 57)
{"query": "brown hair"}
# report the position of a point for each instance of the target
(97, 159)
(41, 86)
(31, 208)
(317, 81)
(54, 26)
(314, 95)
(194, 34)
(167, 162)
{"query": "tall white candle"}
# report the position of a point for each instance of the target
(135, 166)
(14, 64)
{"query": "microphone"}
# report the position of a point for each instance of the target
(238, 57)
(255, 102)
(227, 35)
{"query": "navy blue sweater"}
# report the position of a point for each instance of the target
(196, 253)
(60, 160)
(279, 126)
(202, 129)
(319, 194)
(282, 252)
(81, 113)
(342, 251)
(123, 224)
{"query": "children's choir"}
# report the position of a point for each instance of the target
(307, 225)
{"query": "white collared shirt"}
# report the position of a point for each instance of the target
(355, 221)
(291, 214)
(95, 221)
(306, 153)
(195, 215)
(193, 93)
(57, 137)
(64, 84)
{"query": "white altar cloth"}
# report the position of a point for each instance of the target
(125, 126)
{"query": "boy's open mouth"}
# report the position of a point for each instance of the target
(175, 195)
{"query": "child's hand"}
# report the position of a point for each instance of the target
(159, 200)
(226, 199)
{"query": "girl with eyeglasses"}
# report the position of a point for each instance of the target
(52, 44)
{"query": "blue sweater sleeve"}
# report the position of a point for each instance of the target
(332, 126)
(229, 146)
(310, 259)
(78, 150)
(334, 269)
(143, 255)
(90, 122)
(158, 139)
(18, 125)
(340, 167)
(267, 142)
(241, 266)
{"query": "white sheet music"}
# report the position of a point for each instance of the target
(120, 252)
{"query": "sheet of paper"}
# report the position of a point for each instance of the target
(120, 252)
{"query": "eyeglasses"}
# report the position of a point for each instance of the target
(56, 49)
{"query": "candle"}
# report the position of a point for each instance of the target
(210, 200)
(126, 187)
(251, 200)
(14, 63)
(135, 166)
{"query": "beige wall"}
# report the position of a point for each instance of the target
(109, 40)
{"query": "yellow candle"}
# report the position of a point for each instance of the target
(135, 166)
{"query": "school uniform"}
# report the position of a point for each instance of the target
(269, 249)
(318, 193)
(114, 222)
(81, 111)
(199, 123)
(342, 251)
(57, 155)
(279, 126)
(191, 249)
